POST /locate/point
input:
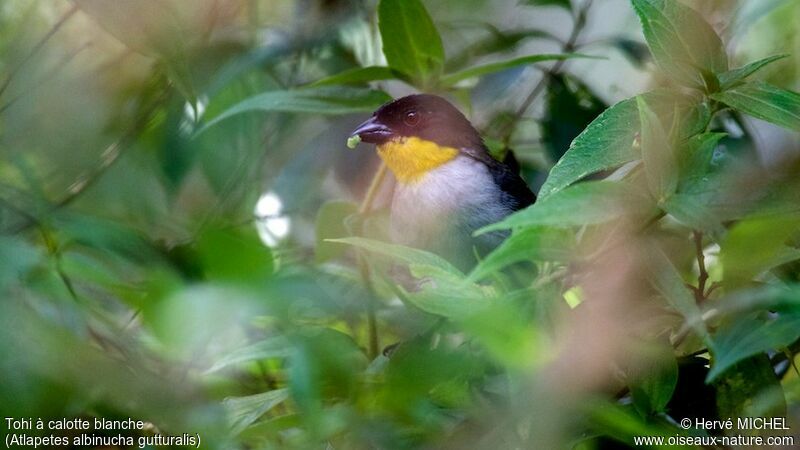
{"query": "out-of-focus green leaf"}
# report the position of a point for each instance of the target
(683, 44)
(160, 32)
(731, 77)
(696, 156)
(587, 203)
(323, 365)
(669, 284)
(497, 41)
(750, 389)
(634, 50)
(447, 295)
(274, 347)
(571, 107)
(530, 244)
(411, 43)
(608, 141)
(406, 254)
(652, 378)
(330, 224)
(765, 102)
(359, 75)
(751, 335)
(243, 411)
(566, 4)
(657, 154)
(314, 100)
(755, 245)
(478, 71)
(695, 171)
(234, 256)
(18, 257)
(515, 344)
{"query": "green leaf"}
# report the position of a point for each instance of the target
(608, 141)
(273, 347)
(695, 163)
(652, 377)
(411, 43)
(669, 284)
(657, 154)
(318, 100)
(449, 295)
(359, 75)
(566, 4)
(498, 41)
(751, 335)
(587, 203)
(750, 389)
(765, 102)
(531, 244)
(478, 71)
(755, 245)
(330, 224)
(243, 411)
(406, 254)
(571, 106)
(234, 256)
(731, 77)
(683, 44)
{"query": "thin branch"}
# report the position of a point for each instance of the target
(53, 30)
(579, 24)
(702, 278)
(363, 266)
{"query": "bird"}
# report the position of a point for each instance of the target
(448, 185)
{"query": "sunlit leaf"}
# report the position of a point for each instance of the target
(411, 43)
(765, 102)
(683, 44)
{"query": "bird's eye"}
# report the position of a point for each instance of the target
(412, 118)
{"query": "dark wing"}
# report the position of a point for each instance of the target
(516, 190)
(506, 175)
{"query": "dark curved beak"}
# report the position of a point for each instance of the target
(373, 131)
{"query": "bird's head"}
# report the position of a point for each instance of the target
(418, 133)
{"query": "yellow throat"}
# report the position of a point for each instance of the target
(410, 158)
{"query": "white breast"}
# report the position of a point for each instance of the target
(440, 211)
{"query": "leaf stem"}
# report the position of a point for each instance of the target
(70, 12)
(363, 267)
(702, 278)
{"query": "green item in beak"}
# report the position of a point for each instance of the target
(353, 141)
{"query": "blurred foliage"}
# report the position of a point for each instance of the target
(186, 241)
